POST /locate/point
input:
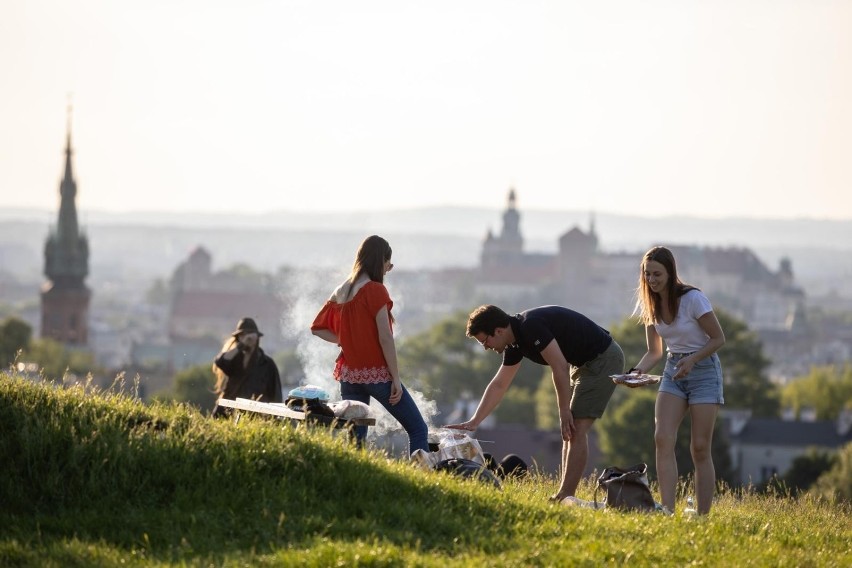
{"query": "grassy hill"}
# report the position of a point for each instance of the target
(100, 479)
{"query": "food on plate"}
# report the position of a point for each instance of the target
(635, 379)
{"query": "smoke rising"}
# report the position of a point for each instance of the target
(305, 291)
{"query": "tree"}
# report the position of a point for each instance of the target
(827, 390)
(626, 430)
(194, 385)
(806, 469)
(836, 483)
(15, 334)
(517, 407)
(57, 362)
(744, 367)
(546, 411)
(443, 362)
(290, 367)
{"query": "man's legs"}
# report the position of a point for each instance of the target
(591, 390)
(575, 454)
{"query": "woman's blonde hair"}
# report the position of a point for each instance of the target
(649, 303)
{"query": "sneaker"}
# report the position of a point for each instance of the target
(690, 512)
(660, 508)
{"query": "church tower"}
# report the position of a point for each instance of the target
(65, 297)
(508, 246)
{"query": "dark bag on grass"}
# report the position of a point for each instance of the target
(626, 488)
(468, 468)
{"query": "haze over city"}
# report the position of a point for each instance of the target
(652, 109)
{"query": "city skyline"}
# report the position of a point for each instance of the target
(685, 109)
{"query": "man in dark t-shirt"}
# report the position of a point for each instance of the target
(581, 354)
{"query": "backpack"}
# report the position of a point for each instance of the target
(626, 488)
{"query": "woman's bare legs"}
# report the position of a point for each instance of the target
(701, 441)
(668, 415)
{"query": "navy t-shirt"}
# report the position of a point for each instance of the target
(579, 338)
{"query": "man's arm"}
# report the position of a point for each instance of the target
(491, 397)
(562, 383)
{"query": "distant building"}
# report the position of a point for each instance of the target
(209, 304)
(602, 285)
(65, 297)
(761, 448)
(204, 308)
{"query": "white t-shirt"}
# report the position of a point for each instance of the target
(684, 335)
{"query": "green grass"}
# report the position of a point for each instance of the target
(100, 479)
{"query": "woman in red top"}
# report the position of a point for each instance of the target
(357, 318)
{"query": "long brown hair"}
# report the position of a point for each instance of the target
(221, 377)
(649, 303)
(370, 259)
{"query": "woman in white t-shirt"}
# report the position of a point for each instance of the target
(681, 315)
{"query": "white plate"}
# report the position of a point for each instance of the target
(634, 379)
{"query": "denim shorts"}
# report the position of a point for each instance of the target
(703, 384)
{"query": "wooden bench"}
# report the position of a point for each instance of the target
(281, 410)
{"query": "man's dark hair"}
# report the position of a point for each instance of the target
(486, 319)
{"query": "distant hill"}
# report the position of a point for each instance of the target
(153, 243)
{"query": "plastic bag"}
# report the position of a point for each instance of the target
(452, 444)
(309, 392)
(348, 409)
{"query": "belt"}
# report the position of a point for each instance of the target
(671, 355)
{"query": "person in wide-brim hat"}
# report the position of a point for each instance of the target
(243, 370)
(246, 325)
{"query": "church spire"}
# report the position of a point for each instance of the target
(65, 297)
(68, 228)
(66, 252)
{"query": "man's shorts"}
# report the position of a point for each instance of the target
(591, 384)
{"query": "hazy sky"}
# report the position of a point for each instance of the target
(709, 108)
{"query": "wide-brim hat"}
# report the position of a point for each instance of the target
(246, 325)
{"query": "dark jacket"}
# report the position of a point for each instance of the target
(259, 381)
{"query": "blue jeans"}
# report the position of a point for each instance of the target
(405, 411)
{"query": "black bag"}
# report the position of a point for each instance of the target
(310, 406)
(468, 468)
(510, 466)
(626, 489)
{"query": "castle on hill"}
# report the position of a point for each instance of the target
(602, 284)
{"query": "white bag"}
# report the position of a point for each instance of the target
(348, 409)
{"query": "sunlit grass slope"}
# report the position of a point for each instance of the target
(100, 479)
